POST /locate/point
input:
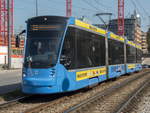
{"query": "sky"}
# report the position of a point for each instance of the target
(25, 9)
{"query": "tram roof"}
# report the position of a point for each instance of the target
(85, 25)
(82, 24)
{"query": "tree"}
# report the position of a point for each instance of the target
(148, 39)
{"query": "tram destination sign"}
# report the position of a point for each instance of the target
(44, 27)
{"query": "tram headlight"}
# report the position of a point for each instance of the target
(24, 75)
(52, 74)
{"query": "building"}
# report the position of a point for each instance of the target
(144, 42)
(132, 27)
(16, 54)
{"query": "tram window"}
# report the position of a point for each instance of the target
(116, 52)
(98, 50)
(67, 56)
(90, 49)
(95, 50)
(83, 50)
(131, 54)
(102, 50)
(138, 56)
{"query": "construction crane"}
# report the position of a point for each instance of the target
(4, 20)
(121, 17)
(68, 8)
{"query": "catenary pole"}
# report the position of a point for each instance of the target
(9, 35)
(36, 7)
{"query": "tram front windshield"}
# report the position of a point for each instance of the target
(42, 46)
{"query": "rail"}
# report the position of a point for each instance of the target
(102, 94)
(5, 104)
(131, 97)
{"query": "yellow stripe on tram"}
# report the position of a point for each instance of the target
(90, 73)
(89, 27)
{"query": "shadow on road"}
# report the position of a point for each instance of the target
(9, 88)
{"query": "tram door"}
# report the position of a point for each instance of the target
(94, 55)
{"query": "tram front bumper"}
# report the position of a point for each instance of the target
(39, 86)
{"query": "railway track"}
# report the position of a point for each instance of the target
(131, 103)
(33, 103)
(87, 105)
(21, 104)
(61, 103)
(44, 106)
(13, 101)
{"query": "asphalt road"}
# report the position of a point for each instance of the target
(9, 80)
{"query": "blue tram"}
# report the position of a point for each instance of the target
(65, 54)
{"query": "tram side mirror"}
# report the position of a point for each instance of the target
(17, 41)
(18, 38)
